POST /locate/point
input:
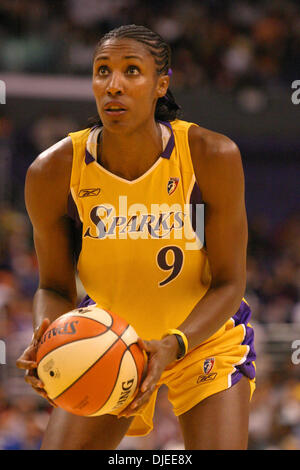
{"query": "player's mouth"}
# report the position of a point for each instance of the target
(115, 108)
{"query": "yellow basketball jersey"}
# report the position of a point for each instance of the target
(139, 253)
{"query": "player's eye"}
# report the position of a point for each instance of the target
(133, 70)
(102, 70)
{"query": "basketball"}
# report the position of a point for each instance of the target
(90, 362)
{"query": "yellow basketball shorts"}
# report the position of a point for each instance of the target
(216, 365)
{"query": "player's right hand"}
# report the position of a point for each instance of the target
(27, 361)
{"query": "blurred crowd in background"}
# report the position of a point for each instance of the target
(220, 44)
(215, 43)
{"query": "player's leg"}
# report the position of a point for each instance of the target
(66, 431)
(220, 421)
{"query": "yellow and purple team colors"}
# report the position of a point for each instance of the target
(141, 254)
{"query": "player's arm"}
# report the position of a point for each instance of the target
(219, 173)
(46, 195)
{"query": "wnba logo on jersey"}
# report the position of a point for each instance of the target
(208, 365)
(208, 376)
(136, 221)
(172, 185)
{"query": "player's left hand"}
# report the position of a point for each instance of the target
(160, 354)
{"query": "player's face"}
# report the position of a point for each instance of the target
(125, 84)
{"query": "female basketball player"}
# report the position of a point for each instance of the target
(184, 298)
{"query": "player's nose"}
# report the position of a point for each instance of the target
(115, 85)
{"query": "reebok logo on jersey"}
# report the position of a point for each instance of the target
(172, 185)
(89, 192)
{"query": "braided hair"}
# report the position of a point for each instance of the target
(166, 107)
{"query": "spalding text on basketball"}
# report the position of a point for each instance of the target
(68, 328)
(126, 388)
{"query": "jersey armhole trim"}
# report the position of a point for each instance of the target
(189, 155)
(73, 159)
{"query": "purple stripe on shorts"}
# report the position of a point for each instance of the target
(243, 316)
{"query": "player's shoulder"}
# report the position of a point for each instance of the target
(211, 151)
(48, 179)
(49, 175)
(210, 143)
(205, 141)
(54, 161)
